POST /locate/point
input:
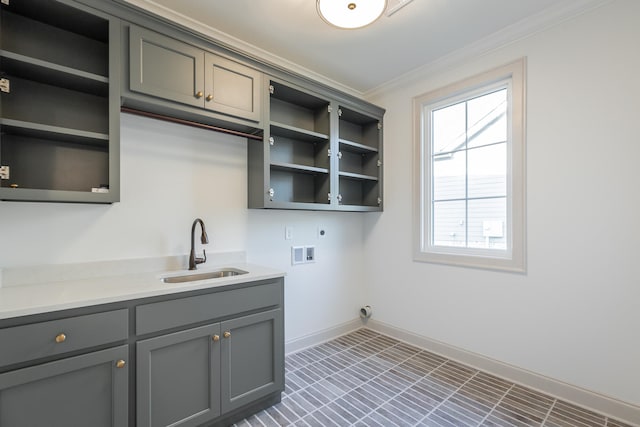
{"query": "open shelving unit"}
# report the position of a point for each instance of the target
(299, 148)
(58, 130)
(360, 170)
(318, 153)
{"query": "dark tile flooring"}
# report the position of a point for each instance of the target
(368, 379)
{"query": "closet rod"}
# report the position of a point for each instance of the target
(190, 123)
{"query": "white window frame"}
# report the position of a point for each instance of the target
(512, 76)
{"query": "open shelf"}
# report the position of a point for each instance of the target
(359, 192)
(358, 177)
(282, 129)
(297, 168)
(299, 186)
(298, 110)
(54, 133)
(53, 74)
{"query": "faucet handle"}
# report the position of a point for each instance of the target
(202, 260)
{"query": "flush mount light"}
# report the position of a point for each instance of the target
(350, 13)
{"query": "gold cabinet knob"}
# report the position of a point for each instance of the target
(209, 97)
(216, 338)
(60, 338)
(199, 94)
(13, 185)
(120, 364)
(227, 334)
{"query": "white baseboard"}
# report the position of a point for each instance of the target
(320, 337)
(603, 404)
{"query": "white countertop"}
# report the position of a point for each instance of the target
(35, 298)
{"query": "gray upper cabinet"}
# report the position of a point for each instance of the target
(232, 88)
(174, 71)
(164, 67)
(319, 152)
(59, 102)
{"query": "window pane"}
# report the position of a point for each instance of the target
(449, 126)
(487, 223)
(487, 119)
(449, 224)
(487, 171)
(449, 176)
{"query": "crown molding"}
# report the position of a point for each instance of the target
(555, 15)
(550, 17)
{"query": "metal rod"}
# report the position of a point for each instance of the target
(190, 123)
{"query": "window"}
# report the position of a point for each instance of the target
(469, 171)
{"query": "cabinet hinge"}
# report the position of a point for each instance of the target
(379, 163)
(379, 126)
(271, 89)
(379, 200)
(339, 112)
(329, 108)
(271, 192)
(5, 2)
(271, 140)
(339, 155)
(329, 152)
(4, 86)
(329, 196)
(339, 198)
(4, 172)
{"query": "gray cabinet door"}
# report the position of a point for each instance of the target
(87, 390)
(252, 358)
(166, 68)
(178, 378)
(232, 88)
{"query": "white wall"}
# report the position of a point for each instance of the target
(574, 316)
(170, 175)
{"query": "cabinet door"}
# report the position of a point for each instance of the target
(165, 68)
(177, 378)
(232, 88)
(87, 390)
(252, 358)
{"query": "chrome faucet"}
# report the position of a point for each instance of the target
(193, 260)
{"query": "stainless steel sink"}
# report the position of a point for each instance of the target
(205, 275)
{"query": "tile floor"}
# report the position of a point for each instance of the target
(368, 379)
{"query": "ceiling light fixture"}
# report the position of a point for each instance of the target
(350, 14)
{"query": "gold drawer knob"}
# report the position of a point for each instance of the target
(216, 338)
(60, 338)
(120, 364)
(199, 94)
(209, 97)
(227, 334)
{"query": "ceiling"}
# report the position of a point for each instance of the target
(290, 32)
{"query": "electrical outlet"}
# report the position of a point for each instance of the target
(288, 233)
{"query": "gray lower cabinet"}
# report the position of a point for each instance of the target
(198, 358)
(252, 360)
(191, 377)
(172, 70)
(87, 390)
(178, 378)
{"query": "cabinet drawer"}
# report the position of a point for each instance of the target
(37, 340)
(184, 311)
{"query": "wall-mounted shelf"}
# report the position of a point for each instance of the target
(59, 120)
